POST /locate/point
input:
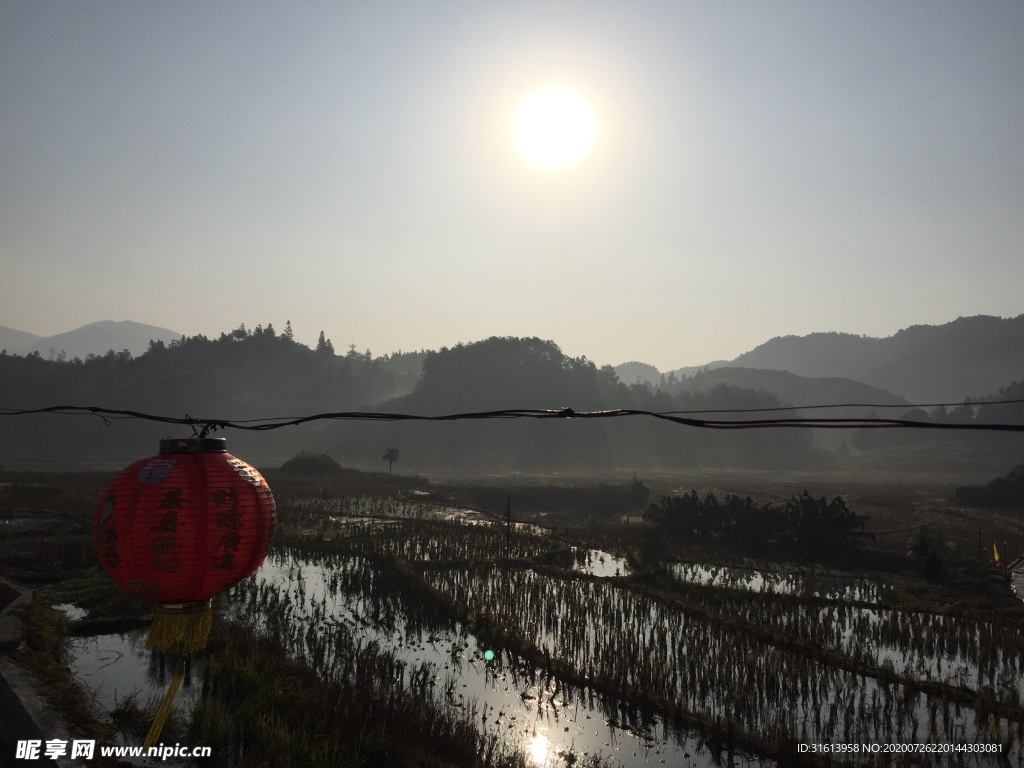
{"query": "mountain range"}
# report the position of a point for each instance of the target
(248, 374)
(92, 339)
(790, 387)
(968, 357)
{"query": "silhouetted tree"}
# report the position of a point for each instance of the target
(324, 345)
(963, 413)
(287, 334)
(639, 493)
(390, 456)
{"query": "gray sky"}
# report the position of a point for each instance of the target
(760, 169)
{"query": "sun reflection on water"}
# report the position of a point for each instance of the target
(539, 749)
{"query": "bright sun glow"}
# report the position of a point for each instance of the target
(539, 749)
(554, 127)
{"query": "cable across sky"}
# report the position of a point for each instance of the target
(683, 418)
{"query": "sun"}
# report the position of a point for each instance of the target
(554, 127)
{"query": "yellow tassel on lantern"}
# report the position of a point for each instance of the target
(164, 710)
(177, 629)
(180, 628)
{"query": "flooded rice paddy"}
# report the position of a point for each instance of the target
(598, 563)
(811, 585)
(120, 674)
(334, 596)
(117, 667)
(706, 665)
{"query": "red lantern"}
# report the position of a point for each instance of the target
(180, 527)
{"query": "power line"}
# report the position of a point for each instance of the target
(908, 406)
(261, 425)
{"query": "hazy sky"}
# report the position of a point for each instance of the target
(760, 169)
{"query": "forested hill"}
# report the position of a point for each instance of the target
(789, 387)
(252, 374)
(968, 357)
(503, 373)
(512, 373)
(241, 375)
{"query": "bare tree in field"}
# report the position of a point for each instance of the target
(390, 456)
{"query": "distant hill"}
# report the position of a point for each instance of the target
(98, 338)
(11, 339)
(971, 356)
(689, 370)
(241, 375)
(818, 354)
(630, 372)
(792, 389)
(1007, 492)
(311, 464)
(531, 373)
(648, 374)
(801, 391)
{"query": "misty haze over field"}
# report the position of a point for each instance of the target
(253, 373)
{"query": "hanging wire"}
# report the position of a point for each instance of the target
(675, 417)
(907, 406)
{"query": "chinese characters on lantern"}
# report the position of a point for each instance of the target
(183, 525)
(228, 519)
(165, 543)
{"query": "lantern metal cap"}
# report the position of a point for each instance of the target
(194, 445)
